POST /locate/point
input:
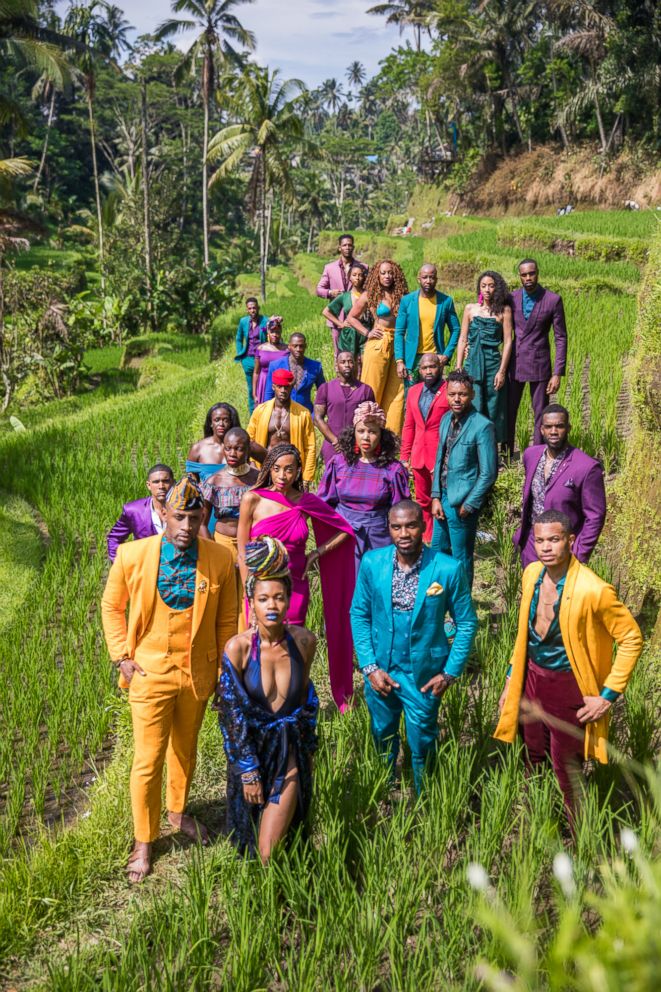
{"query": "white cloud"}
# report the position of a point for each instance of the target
(309, 39)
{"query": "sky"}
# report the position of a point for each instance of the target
(310, 40)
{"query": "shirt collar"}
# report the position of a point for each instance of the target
(170, 553)
(433, 389)
(535, 294)
(560, 584)
(414, 567)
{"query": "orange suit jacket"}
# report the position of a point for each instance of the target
(133, 577)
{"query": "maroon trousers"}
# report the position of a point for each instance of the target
(539, 400)
(422, 479)
(556, 693)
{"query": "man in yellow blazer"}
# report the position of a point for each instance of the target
(183, 604)
(562, 677)
(282, 421)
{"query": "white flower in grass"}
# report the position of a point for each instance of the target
(477, 877)
(628, 840)
(564, 873)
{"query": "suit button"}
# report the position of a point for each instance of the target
(168, 652)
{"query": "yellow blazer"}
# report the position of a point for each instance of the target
(133, 577)
(591, 618)
(301, 432)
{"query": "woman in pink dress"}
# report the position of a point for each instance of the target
(272, 350)
(277, 507)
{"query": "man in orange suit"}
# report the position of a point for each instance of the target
(183, 609)
(426, 405)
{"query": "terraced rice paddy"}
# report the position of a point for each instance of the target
(380, 898)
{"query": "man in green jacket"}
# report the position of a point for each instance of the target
(420, 327)
(466, 469)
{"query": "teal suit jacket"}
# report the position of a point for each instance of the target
(407, 327)
(372, 615)
(242, 336)
(473, 465)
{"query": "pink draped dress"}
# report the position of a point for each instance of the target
(336, 569)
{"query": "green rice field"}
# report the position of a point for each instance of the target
(467, 888)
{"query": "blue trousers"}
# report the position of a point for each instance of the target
(420, 709)
(248, 365)
(456, 537)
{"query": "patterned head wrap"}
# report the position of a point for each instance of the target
(185, 495)
(265, 559)
(369, 411)
(282, 377)
(274, 322)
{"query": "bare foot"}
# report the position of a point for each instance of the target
(139, 863)
(190, 826)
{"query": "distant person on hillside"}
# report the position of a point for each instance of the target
(384, 289)
(421, 322)
(272, 350)
(426, 405)
(486, 325)
(398, 614)
(465, 471)
(561, 477)
(535, 311)
(307, 372)
(562, 679)
(182, 612)
(250, 333)
(267, 710)
(143, 517)
(335, 278)
(223, 493)
(339, 309)
(283, 421)
(336, 402)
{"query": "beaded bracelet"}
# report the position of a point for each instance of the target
(250, 778)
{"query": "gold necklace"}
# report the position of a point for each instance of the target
(239, 470)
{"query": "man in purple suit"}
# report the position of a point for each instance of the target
(535, 310)
(335, 277)
(560, 477)
(143, 517)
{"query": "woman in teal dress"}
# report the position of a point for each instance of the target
(486, 326)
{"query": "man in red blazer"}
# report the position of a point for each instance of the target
(426, 405)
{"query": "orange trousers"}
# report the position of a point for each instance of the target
(380, 372)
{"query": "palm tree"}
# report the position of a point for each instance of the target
(356, 74)
(267, 125)
(215, 22)
(331, 94)
(407, 14)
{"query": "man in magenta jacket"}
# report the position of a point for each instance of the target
(560, 477)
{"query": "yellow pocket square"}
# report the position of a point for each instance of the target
(435, 589)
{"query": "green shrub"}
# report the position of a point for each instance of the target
(593, 247)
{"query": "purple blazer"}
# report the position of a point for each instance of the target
(577, 489)
(135, 519)
(333, 278)
(531, 352)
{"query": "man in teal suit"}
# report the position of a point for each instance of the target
(397, 619)
(420, 325)
(250, 333)
(466, 469)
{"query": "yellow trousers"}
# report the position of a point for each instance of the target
(166, 722)
(380, 372)
(231, 544)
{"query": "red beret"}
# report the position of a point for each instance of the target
(282, 377)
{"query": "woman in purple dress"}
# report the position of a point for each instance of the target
(269, 352)
(365, 478)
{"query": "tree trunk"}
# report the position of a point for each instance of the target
(262, 227)
(600, 121)
(49, 122)
(310, 236)
(97, 190)
(205, 204)
(145, 201)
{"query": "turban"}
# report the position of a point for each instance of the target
(185, 495)
(282, 377)
(265, 559)
(369, 411)
(274, 322)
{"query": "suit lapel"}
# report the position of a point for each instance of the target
(149, 580)
(439, 314)
(426, 579)
(388, 569)
(535, 312)
(201, 587)
(561, 469)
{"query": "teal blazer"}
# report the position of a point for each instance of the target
(242, 336)
(473, 465)
(407, 327)
(372, 615)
